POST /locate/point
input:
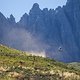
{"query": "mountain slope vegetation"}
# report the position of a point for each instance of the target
(18, 65)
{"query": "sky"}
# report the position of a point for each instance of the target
(19, 7)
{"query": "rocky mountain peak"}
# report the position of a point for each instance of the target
(11, 19)
(45, 10)
(58, 31)
(35, 5)
(35, 9)
(24, 17)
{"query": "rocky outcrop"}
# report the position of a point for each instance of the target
(57, 31)
(11, 20)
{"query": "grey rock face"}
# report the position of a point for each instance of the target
(57, 32)
(11, 19)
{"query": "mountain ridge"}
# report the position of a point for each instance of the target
(55, 32)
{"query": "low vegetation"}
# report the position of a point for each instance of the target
(18, 65)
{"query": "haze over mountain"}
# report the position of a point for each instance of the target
(55, 32)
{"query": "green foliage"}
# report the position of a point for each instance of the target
(28, 67)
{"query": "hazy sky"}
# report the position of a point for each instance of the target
(19, 7)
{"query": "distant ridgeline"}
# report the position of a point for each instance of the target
(55, 32)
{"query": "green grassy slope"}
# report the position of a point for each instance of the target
(18, 65)
(74, 65)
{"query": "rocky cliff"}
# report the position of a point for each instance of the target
(57, 32)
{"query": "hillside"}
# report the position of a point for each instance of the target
(74, 65)
(18, 65)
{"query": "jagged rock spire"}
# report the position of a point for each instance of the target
(35, 5)
(11, 19)
(24, 20)
(35, 9)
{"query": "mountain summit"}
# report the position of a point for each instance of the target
(55, 32)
